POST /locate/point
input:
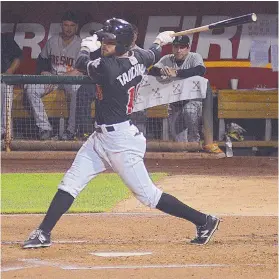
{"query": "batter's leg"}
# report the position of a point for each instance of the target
(85, 167)
(133, 172)
(130, 166)
(206, 225)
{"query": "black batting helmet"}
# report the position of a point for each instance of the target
(119, 31)
(182, 40)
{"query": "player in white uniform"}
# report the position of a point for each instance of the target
(185, 117)
(58, 57)
(117, 143)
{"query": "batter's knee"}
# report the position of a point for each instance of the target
(71, 184)
(150, 199)
(69, 189)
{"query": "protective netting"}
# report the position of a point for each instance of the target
(63, 108)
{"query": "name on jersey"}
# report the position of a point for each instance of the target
(137, 70)
(62, 60)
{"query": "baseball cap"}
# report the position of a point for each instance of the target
(70, 16)
(181, 40)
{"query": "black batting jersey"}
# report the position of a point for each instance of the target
(118, 79)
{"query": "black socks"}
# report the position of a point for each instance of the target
(62, 201)
(59, 205)
(173, 206)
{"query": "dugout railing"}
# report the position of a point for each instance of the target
(21, 132)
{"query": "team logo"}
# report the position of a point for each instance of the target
(196, 85)
(95, 63)
(156, 93)
(144, 81)
(176, 89)
(139, 98)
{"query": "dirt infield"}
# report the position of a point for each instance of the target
(243, 191)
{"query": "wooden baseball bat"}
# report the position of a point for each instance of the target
(220, 24)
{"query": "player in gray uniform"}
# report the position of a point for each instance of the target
(58, 57)
(185, 117)
(117, 143)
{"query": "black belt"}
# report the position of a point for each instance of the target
(108, 128)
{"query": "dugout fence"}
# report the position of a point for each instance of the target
(21, 129)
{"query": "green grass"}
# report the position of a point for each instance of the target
(32, 193)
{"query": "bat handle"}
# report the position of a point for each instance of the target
(191, 31)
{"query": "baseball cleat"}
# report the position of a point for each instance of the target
(37, 239)
(205, 232)
(213, 148)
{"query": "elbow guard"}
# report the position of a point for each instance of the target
(82, 60)
(156, 49)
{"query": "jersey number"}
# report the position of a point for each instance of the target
(131, 98)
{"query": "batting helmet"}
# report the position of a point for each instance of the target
(181, 40)
(119, 31)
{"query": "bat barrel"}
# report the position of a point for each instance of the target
(234, 21)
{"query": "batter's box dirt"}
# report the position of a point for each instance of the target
(243, 247)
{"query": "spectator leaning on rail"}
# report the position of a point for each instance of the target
(10, 60)
(186, 116)
(58, 57)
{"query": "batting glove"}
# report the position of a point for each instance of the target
(165, 37)
(90, 44)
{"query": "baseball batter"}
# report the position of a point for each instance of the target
(117, 143)
(58, 57)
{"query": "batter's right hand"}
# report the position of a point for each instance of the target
(90, 44)
(165, 37)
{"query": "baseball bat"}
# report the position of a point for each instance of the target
(220, 24)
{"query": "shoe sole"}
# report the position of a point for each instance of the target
(212, 232)
(36, 246)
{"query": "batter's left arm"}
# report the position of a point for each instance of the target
(84, 63)
(153, 54)
(92, 68)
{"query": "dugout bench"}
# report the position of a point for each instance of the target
(248, 104)
(56, 106)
